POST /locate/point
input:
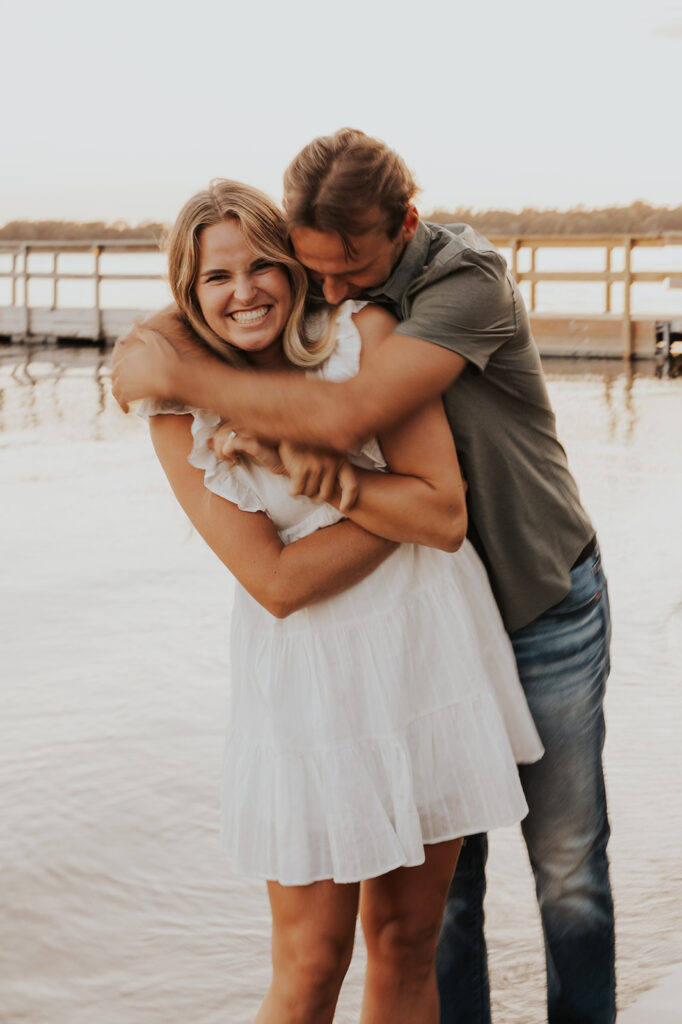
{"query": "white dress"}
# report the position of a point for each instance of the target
(373, 722)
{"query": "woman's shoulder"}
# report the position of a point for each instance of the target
(359, 325)
(373, 323)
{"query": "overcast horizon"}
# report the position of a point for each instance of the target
(121, 114)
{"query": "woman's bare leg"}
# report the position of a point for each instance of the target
(401, 916)
(313, 927)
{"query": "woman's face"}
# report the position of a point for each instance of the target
(245, 299)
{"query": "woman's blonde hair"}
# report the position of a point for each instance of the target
(264, 230)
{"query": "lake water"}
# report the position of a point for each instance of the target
(116, 906)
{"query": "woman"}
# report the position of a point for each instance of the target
(371, 729)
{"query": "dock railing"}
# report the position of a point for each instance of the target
(607, 276)
(19, 320)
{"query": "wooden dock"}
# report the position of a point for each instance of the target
(44, 324)
(603, 334)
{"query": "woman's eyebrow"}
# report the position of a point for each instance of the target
(214, 270)
(255, 262)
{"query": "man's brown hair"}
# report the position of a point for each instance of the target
(336, 179)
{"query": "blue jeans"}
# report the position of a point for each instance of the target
(563, 662)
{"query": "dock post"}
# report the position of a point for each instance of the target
(25, 249)
(98, 303)
(627, 305)
(14, 278)
(55, 279)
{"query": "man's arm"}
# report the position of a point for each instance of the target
(397, 377)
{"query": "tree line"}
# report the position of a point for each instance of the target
(75, 231)
(639, 218)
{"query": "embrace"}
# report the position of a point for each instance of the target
(350, 408)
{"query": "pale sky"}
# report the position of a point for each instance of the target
(123, 110)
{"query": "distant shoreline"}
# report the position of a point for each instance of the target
(638, 218)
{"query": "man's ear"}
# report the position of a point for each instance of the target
(410, 224)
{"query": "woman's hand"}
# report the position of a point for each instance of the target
(317, 474)
(231, 447)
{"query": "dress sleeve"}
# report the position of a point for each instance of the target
(233, 483)
(471, 311)
(255, 489)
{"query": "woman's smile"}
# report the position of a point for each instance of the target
(247, 317)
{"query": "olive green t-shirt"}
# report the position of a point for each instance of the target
(452, 288)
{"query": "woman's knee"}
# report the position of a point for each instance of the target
(312, 940)
(311, 970)
(402, 942)
(402, 911)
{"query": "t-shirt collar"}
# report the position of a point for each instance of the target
(410, 266)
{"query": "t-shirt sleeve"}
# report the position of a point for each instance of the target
(470, 311)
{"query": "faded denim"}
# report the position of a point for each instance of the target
(563, 661)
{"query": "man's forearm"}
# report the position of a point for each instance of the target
(276, 406)
(396, 378)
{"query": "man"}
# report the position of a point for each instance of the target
(463, 332)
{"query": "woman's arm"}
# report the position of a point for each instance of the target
(422, 500)
(281, 578)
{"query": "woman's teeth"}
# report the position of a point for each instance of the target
(249, 316)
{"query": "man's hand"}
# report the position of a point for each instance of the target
(317, 474)
(231, 448)
(151, 359)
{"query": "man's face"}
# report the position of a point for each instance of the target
(346, 277)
